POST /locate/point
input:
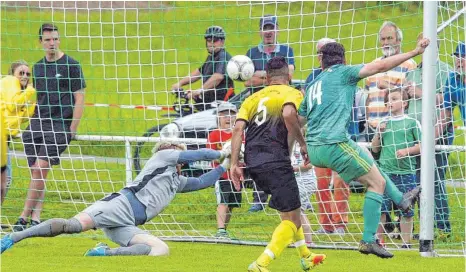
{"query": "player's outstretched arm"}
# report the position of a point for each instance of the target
(203, 154)
(386, 64)
(206, 180)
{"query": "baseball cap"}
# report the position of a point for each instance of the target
(268, 20)
(227, 106)
(460, 50)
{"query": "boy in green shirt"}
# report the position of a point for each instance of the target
(398, 140)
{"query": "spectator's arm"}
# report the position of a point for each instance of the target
(258, 79)
(78, 110)
(212, 82)
(191, 78)
(303, 167)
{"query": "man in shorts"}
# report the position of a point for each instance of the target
(270, 117)
(119, 214)
(327, 110)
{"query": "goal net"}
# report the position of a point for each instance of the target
(132, 53)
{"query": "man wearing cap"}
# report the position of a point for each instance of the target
(414, 81)
(227, 196)
(215, 81)
(267, 49)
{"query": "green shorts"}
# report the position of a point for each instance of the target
(348, 159)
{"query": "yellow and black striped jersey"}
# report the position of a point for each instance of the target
(267, 135)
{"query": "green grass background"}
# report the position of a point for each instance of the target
(132, 58)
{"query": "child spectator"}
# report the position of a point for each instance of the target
(398, 138)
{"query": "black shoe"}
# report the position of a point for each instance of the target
(409, 199)
(374, 248)
(416, 236)
(34, 223)
(20, 225)
(4, 227)
(405, 246)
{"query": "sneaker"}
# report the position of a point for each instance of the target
(4, 227)
(254, 267)
(405, 246)
(256, 208)
(409, 199)
(98, 250)
(6, 243)
(34, 223)
(416, 236)
(222, 234)
(374, 248)
(20, 225)
(323, 231)
(312, 261)
(339, 231)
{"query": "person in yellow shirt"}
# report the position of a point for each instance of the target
(15, 108)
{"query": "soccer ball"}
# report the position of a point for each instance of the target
(240, 67)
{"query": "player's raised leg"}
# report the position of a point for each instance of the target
(50, 228)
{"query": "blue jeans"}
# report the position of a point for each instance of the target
(404, 183)
(442, 211)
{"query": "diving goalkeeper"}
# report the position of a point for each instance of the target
(119, 214)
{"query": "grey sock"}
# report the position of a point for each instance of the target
(134, 250)
(49, 228)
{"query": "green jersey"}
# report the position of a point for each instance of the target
(400, 133)
(328, 104)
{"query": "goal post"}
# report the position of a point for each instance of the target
(132, 53)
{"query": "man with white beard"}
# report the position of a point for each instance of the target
(390, 39)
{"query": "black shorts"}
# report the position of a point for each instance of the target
(45, 145)
(227, 194)
(281, 184)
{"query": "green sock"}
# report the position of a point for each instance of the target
(391, 190)
(371, 213)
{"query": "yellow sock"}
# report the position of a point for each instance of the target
(282, 236)
(300, 244)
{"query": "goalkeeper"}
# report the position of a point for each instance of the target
(119, 214)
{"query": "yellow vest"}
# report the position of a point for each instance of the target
(15, 104)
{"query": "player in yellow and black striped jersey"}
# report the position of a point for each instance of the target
(271, 119)
(267, 136)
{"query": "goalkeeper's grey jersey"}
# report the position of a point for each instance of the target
(158, 182)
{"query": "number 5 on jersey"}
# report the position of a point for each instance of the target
(315, 93)
(261, 112)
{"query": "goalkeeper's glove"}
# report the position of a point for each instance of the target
(226, 163)
(226, 151)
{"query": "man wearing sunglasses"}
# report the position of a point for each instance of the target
(60, 86)
(215, 81)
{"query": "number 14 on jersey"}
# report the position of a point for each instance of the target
(315, 93)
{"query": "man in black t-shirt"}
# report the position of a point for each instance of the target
(60, 85)
(215, 81)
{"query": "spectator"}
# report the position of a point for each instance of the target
(215, 81)
(414, 80)
(455, 89)
(398, 140)
(316, 71)
(306, 180)
(227, 197)
(267, 49)
(16, 105)
(390, 39)
(333, 215)
(60, 86)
